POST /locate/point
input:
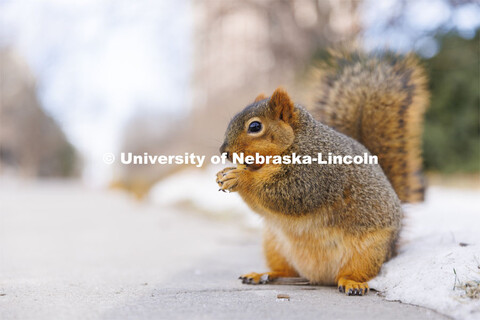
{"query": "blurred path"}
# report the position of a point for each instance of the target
(71, 253)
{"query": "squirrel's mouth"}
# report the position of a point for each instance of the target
(254, 166)
(251, 166)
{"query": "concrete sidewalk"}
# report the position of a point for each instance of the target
(212, 291)
(71, 253)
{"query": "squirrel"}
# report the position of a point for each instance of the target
(333, 224)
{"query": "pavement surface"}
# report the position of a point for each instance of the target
(67, 252)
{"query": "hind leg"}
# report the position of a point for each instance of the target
(352, 278)
(275, 260)
(365, 263)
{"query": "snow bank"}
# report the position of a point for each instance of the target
(441, 237)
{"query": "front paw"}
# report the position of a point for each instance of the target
(227, 179)
(255, 278)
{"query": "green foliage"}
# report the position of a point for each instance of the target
(452, 124)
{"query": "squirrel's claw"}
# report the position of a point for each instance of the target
(352, 288)
(227, 179)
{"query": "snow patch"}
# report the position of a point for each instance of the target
(441, 237)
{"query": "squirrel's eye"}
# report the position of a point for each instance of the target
(254, 127)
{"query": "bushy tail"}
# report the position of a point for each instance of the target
(380, 101)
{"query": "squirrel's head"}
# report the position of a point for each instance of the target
(264, 127)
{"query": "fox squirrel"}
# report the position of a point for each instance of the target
(333, 224)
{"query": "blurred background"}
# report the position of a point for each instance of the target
(79, 79)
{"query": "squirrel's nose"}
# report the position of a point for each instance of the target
(223, 149)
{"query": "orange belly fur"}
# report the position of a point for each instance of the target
(320, 253)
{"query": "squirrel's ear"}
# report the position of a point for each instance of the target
(281, 105)
(260, 97)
